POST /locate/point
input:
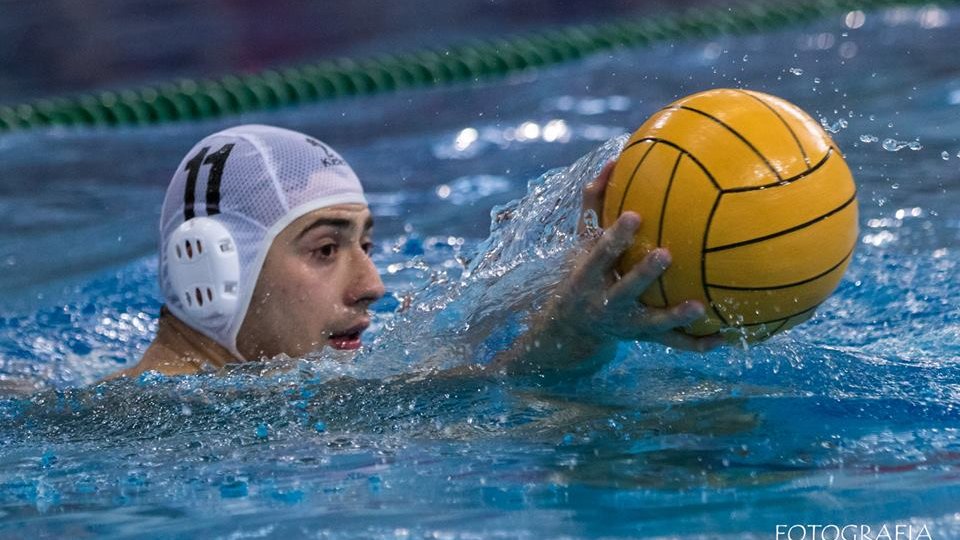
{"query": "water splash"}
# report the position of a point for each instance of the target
(468, 318)
(834, 127)
(893, 145)
(545, 220)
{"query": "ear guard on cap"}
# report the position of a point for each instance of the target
(204, 269)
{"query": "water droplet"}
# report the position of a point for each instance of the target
(591, 224)
(834, 127)
(796, 71)
(893, 145)
(945, 155)
(868, 138)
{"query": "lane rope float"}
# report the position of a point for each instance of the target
(474, 60)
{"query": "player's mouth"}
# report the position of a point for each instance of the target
(349, 339)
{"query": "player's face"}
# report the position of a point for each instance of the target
(315, 287)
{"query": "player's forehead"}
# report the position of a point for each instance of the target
(352, 217)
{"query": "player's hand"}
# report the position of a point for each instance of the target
(598, 304)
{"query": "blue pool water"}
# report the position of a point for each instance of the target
(852, 418)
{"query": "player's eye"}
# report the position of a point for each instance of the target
(325, 251)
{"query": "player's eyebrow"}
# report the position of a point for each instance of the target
(339, 223)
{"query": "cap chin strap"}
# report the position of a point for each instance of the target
(204, 268)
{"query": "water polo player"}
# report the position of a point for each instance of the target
(265, 250)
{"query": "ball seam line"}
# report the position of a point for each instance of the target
(681, 149)
(806, 158)
(787, 285)
(703, 261)
(784, 231)
(626, 189)
(784, 319)
(735, 133)
(785, 181)
(777, 329)
(663, 212)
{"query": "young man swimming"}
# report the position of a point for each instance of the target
(265, 250)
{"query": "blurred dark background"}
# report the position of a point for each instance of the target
(57, 47)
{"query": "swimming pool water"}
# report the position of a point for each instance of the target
(851, 418)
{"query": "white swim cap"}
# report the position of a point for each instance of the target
(252, 181)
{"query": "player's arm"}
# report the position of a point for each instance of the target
(593, 309)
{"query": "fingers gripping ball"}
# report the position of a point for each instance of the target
(753, 200)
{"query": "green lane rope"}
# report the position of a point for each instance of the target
(471, 61)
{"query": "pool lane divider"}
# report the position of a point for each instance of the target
(471, 61)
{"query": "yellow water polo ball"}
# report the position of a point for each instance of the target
(753, 200)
